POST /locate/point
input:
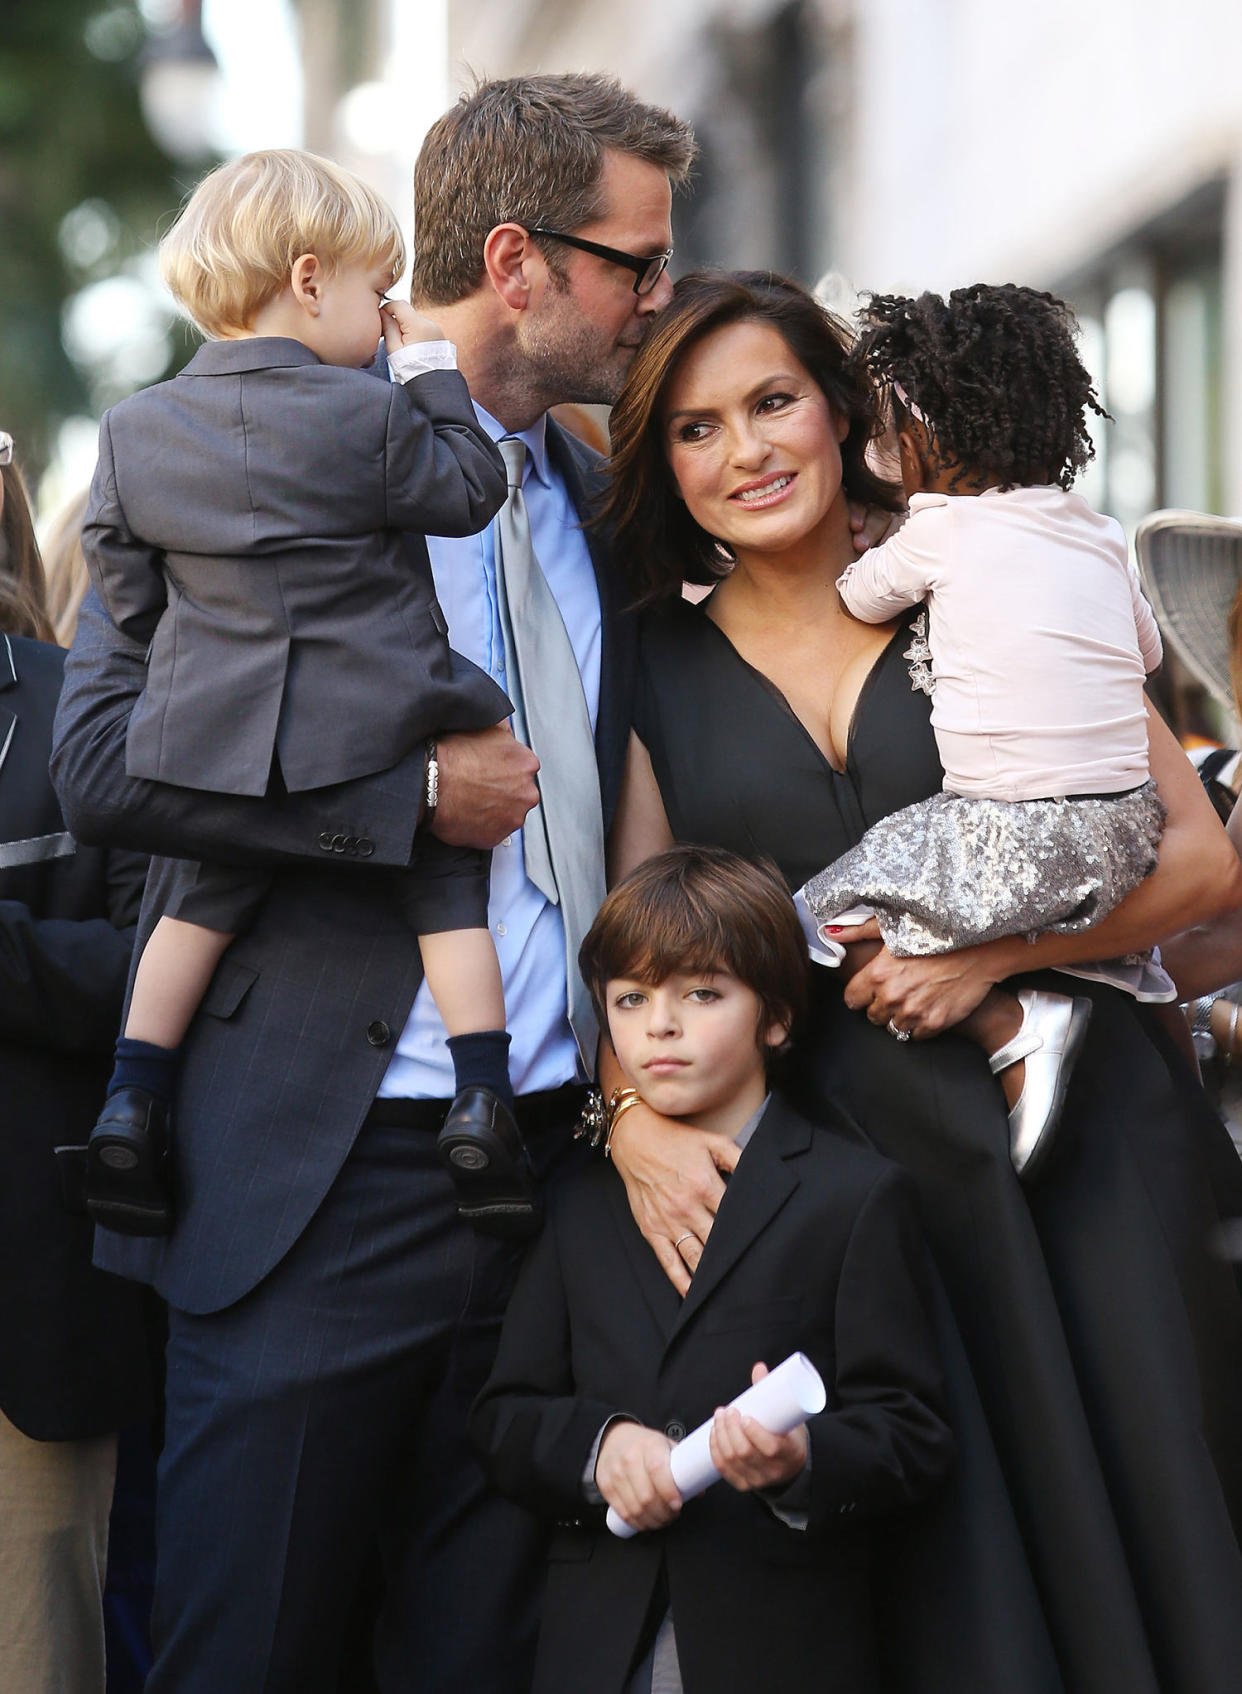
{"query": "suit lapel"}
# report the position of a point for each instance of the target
(618, 628)
(662, 1298)
(758, 1189)
(8, 718)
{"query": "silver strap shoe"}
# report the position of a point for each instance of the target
(1052, 1032)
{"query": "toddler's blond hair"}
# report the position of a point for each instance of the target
(235, 242)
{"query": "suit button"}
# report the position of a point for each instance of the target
(338, 843)
(325, 841)
(351, 844)
(365, 847)
(378, 1033)
(675, 1429)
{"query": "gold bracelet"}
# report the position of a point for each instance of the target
(1233, 1031)
(600, 1114)
(619, 1102)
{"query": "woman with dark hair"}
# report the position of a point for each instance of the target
(1087, 1541)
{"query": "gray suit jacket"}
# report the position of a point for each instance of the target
(296, 1031)
(260, 520)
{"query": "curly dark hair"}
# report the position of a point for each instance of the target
(995, 375)
(658, 543)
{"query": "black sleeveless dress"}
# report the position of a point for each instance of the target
(1088, 1541)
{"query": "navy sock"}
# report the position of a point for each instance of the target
(481, 1060)
(140, 1064)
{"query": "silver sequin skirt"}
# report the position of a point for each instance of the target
(954, 872)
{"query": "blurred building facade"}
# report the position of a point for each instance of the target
(906, 144)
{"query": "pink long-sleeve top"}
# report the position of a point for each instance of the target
(1040, 637)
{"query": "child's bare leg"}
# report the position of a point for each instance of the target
(463, 974)
(857, 954)
(176, 966)
(995, 1020)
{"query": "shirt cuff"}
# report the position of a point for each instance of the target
(792, 1503)
(421, 356)
(590, 1489)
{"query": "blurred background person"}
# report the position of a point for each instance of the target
(22, 582)
(1191, 564)
(74, 1353)
(64, 566)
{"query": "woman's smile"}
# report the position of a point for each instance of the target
(766, 492)
(750, 436)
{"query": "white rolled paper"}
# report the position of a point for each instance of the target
(793, 1391)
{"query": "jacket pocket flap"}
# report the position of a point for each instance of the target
(570, 1545)
(229, 987)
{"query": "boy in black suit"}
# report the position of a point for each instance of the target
(698, 966)
(259, 521)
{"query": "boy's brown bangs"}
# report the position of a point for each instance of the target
(661, 960)
(700, 909)
(674, 926)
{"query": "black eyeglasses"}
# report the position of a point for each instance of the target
(647, 272)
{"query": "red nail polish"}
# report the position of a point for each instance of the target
(834, 928)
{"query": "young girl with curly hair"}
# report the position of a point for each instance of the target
(1035, 648)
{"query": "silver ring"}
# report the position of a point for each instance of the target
(688, 1236)
(901, 1034)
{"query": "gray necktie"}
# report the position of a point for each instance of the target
(562, 838)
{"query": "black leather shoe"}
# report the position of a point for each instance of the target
(482, 1149)
(128, 1175)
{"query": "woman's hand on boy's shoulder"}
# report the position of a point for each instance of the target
(672, 1181)
(633, 1475)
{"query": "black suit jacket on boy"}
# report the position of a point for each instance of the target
(815, 1247)
(73, 1343)
(298, 1026)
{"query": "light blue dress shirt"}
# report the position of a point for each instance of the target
(526, 928)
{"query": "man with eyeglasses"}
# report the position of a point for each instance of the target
(331, 1317)
(647, 271)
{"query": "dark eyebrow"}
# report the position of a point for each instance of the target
(786, 377)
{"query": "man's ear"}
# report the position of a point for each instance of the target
(306, 280)
(508, 257)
